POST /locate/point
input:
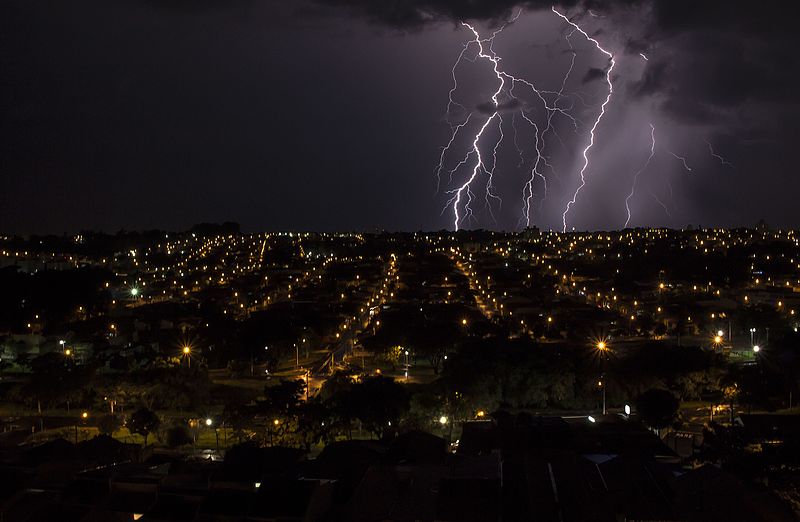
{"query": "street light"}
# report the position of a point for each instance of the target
(187, 352)
(603, 348)
(442, 420)
(756, 348)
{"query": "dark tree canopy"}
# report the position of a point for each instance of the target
(657, 408)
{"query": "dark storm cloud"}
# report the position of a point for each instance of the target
(712, 63)
(654, 79)
(594, 73)
(729, 35)
(691, 112)
(416, 13)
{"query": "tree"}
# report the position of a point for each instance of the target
(108, 424)
(335, 394)
(379, 403)
(280, 407)
(657, 408)
(313, 423)
(178, 435)
(56, 378)
(237, 416)
(143, 422)
(282, 399)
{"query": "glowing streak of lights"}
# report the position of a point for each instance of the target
(588, 148)
(717, 156)
(636, 176)
(643, 56)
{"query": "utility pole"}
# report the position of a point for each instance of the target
(603, 385)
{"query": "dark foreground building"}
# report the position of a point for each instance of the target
(518, 467)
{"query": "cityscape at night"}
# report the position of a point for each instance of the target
(408, 260)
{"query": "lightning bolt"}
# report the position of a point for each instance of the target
(479, 165)
(490, 173)
(588, 148)
(717, 156)
(462, 196)
(464, 192)
(666, 210)
(534, 173)
(682, 160)
(642, 169)
(446, 148)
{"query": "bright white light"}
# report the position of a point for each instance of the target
(756, 348)
(134, 292)
(627, 410)
(591, 419)
(442, 420)
(209, 422)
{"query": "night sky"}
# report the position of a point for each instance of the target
(331, 115)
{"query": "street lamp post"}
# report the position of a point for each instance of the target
(603, 385)
(209, 423)
(603, 348)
